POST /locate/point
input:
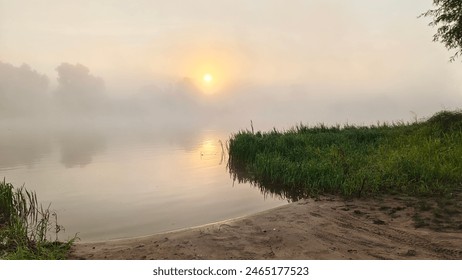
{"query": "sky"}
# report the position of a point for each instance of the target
(344, 55)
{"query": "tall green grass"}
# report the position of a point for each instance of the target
(26, 227)
(418, 158)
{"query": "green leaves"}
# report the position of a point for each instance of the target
(447, 17)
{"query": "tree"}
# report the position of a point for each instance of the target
(78, 91)
(23, 91)
(447, 17)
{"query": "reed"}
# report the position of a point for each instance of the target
(414, 158)
(25, 227)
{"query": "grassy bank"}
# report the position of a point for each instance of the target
(26, 227)
(419, 158)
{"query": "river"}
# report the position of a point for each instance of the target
(127, 180)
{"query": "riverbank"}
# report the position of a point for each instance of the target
(419, 158)
(331, 227)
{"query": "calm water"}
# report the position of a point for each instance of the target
(126, 182)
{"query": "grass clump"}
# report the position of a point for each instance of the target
(25, 227)
(420, 158)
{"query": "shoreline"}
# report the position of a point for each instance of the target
(326, 228)
(173, 231)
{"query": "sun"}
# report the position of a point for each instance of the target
(208, 78)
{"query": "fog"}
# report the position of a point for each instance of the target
(81, 97)
(140, 65)
(118, 111)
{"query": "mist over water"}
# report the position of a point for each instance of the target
(104, 110)
(118, 181)
(152, 160)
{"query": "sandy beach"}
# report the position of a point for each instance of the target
(325, 228)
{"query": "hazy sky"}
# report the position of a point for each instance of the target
(356, 48)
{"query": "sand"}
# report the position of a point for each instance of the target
(325, 228)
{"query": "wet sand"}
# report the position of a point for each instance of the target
(325, 228)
